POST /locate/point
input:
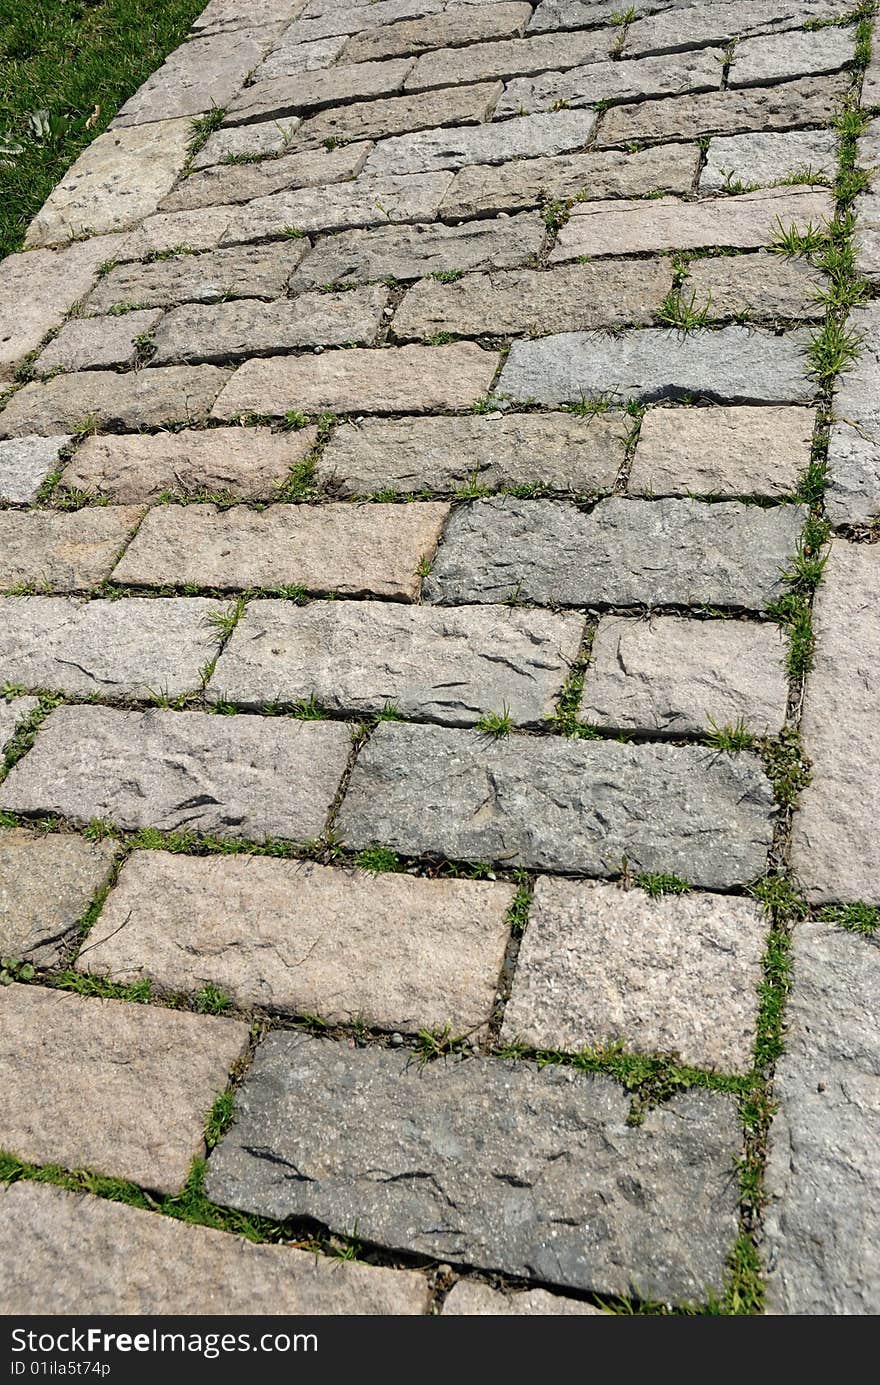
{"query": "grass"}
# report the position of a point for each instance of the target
(66, 66)
(683, 313)
(855, 918)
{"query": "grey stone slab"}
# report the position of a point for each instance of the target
(518, 1169)
(821, 1225)
(251, 271)
(222, 15)
(13, 711)
(689, 26)
(470, 1298)
(366, 201)
(551, 15)
(371, 550)
(71, 1253)
(762, 287)
(25, 463)
(232, 142)
(778, 57)
(280, 97)
(835, 846)
(250, 777)
(552, 803)
(65, 552)
(614, 81)
(395, 115)
(137, 648)
(462, 24)
(47, 882)
(871, 82)
(333, 19)
(290, 55)
(678, 974)
(196, 77)
(171, 234)
(106, 399)
(387, 950)
(762, 159)
(625, 552)
(673, 675)
(853, 495)
(722, 451)
(241, 182)
(89, 343)
(735, 365)
(556, 132)
(158, 1071)
(478, 62)
(359, 656)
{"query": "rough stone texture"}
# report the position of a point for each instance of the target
(240, 183)
(444, 665)
(390, 950)
(667, 223)
(106, 399)
(557, 804)
(871, 81)
(679, 676)
(324, 20)
(469, 1298)
(365, 550)
(777, 57)
(69, 1254)
(463, 25)
(247, 463)
(680, 26)
(409, 252)
(480, 62)
(250, 777)
(197, 76)
(573, 298)
(222, 15)
(154, 1073)
(678, 974)
(570, 14)
(12, 712)
(557, 132)
(554, 450)
(867, 232)
(169, 234)
(232, 141)
(246, 327)
(530, 1171)
(291, 55)
(87, 343)
(412, 378)
(766, 158)
(765, 287)
(822, 1228)
(625, 552)
(25, 464)
(119, 178)
(614, 81)
(311, 91)
(252, 271)
(735, 366)
(138, 648)
(66, 552)
(365, 202)
(47, 883)
(395, 115)
(721, 451)
(853, 495)
(524, 182)
(835, 847)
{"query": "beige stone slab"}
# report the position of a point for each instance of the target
(292, 55)
(105, 399)
(470, 1298)
(26, 464)
(220, 15)
(397, 115)
(304, 92)
(241, 182)
(678, 974)
(722, 451)
(365, 550)
(197, 77)
(479, 62)
(13, 711)
(89, 343)
(61, 551)
(531, 136)
(459, 24)
(47, 882)
(759, 287)
(108, 1085)
(672, 675)
(365, 201)
(249, 271)
(265, 138)
(700, 70)
(415, 379)
(176, 233)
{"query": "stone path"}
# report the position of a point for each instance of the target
(437, 822)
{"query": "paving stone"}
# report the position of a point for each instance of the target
(119, 178)
(685, 27)
(158, 1072)
(821, 1224)
(250, 271)
(834, 840)
(25, 463)
(574, 298)
(777, 57)
(350, 19)
(790, 105)
(867, 230)
(246, 327)
(470, 1298)
(221, 15)
(667, 223)
(463, 25)
(169, 235)
(721, 451)
(871, 82)
(416, 378)
(47, 882)
(366, 201)
(12, 712)
(679, 974)
(479, 62)
(552, 803)
(623, 553)
(233, 141)
(106, 399)
(242, 182)
(393, 115)
(251, 777)
(550, 15)
(135, 648)
(853, 494)
(528, 1171)
(526, 182)
(89, 342)
(614, 81)
(196, 77)
(312, 91)
(38, 288)
(767, 158)
(63, 551)
(246, 463)
(556, 132)
(763, 286)
(554, 450)
(373, 550)
(735, 365)
(78, 1254)
(677, 676)
(360, 656)
(291, 55)
(390, 950)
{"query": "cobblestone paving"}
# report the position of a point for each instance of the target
(440, 667)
